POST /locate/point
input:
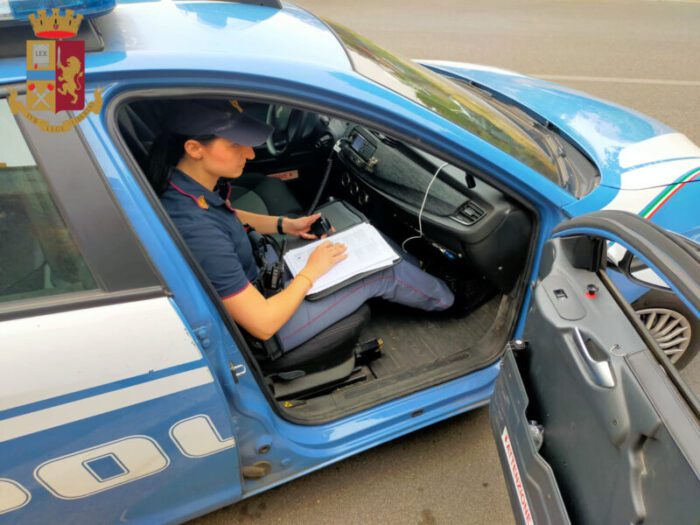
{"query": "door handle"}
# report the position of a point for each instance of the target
(236, 371)
(600, 370)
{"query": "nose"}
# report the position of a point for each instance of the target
(250, 153)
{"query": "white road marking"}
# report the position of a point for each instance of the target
(618, 80)
(572, 78)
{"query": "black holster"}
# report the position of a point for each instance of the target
(269, 280)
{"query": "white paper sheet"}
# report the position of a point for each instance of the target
(367, 250)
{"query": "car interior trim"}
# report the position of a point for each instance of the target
(676, 260)
(659, 355)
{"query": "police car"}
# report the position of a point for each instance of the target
(129, 395)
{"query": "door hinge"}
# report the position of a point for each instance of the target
(202, 334)
(236, 371)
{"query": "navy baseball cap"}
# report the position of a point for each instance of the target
(219, 118)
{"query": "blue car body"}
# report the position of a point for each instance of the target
(605, 131)
(291, 54)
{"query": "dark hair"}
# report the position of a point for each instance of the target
(166, 151)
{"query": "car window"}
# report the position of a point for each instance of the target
(449, 100)
(38, 255)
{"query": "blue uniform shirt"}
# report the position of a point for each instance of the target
(213, 233)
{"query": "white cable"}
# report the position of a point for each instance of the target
(422, 206)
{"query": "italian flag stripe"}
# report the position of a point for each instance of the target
(668, 192)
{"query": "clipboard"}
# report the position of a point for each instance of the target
(344, 217)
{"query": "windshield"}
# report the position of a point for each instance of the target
(449, 100)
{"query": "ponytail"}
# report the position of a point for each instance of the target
(166, 152)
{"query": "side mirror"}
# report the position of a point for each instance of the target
(638, 272)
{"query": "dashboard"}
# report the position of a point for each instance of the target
(467, 221)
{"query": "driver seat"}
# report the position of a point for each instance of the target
(326, 360)
(258, 193)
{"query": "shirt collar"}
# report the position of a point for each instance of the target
(193, 189)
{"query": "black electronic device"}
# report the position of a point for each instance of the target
(362, 145)
(321, 227)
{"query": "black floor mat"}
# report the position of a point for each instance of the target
(413, 338)
(420, 349)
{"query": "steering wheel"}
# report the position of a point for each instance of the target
(287, 124)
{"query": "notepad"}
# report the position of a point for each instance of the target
(367, 251)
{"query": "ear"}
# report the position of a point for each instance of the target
(193, 149)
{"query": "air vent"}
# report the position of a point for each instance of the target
(469, 214)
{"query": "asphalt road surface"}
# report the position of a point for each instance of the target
(644, 55)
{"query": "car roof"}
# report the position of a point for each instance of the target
(196, 35)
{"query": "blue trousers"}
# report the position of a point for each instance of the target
(403, 283)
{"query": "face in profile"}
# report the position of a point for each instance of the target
(221, 157)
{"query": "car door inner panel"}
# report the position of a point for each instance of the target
(586, 410)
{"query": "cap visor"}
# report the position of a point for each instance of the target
(247, 131)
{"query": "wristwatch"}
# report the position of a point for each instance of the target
(280, 230)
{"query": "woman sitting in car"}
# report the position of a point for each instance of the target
(209, 141)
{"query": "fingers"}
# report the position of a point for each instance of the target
(310, 219)
(325, 235)
(338, 252)
(332, 247)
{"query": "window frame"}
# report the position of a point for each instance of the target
(105, 240)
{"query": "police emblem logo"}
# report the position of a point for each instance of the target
(55, 71)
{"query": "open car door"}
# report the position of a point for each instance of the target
(592, 422)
